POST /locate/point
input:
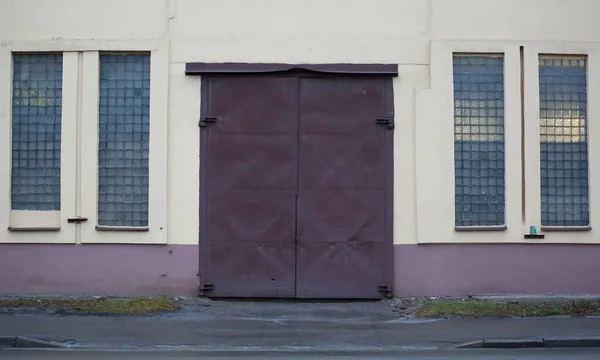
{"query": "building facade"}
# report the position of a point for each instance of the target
(335, 149)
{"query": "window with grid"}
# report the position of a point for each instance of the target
(479, 140)
(123, 140)
(36, 131)
(563, 141)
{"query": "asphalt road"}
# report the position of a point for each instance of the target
(264, 330)
(527, 354)
(273, 325)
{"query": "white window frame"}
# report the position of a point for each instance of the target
(435, 173)
(21, 226)
(435, 149)
(567, 235)
(155, 233)
(80, 143)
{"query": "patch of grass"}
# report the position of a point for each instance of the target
(120, 306)
(495, 309)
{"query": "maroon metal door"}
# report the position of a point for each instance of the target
(296, 188)
(343, 244)
(248, 199)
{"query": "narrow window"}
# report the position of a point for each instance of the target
(123, 140)
(479, 140)
(563, 141)
(36, 132)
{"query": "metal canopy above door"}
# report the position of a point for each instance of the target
(198, 68)
(296, 184)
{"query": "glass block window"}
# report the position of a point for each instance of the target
(563, 141)
(36, 132)
(123, 140)
(479, 140)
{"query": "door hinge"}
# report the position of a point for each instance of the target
(389, 122)
(205, 289)
(77, 220)
(385, 290)
(207, 120)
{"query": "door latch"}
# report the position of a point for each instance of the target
(389, 122)
(77, 220)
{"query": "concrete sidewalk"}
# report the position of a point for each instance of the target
(273, 326)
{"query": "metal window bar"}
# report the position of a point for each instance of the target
(479, 140)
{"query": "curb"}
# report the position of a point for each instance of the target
(8, 341)
(551, 342)
(24, 342)
(572, 342)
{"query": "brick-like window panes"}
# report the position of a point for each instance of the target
(479, 140)
(36, 131)
(563, 141)
(123, 140)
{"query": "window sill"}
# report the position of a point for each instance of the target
(565, 228)
(123, 228)
(480, 228)
(17, 229)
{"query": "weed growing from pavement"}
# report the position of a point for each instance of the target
(100, 306)
(482, 308)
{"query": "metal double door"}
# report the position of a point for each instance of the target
(296, 186)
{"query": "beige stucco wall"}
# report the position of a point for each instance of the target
(82, 20)
(519, 20)
(418, 35)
